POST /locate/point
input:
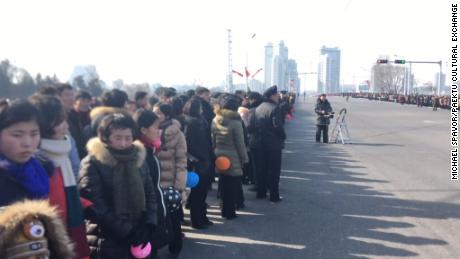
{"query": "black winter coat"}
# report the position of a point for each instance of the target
(198, 140)
(323, 119)
(285, 108)
(269, 122)
(163, 233)
(107, 232)
(11, 190)
(76, 131)
(254, 133)
(208, 112)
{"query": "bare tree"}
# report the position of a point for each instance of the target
(86, 78)
(131, 89)
(388, 78)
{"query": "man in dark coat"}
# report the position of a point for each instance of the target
(208, 113)
(269, 121)
(254, 136)
(78, 118)
(324, 111)
(284, 105)
(205, 98)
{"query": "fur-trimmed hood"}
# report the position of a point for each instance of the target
(104, 110)
(224, 116)
(99, 151)
(243, 110)
(14, 217)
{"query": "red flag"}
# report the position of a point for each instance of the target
(260, 69)
(238, 73)
(247, 72)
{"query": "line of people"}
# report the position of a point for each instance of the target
(421, 100)
(117, 170)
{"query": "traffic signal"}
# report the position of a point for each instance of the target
(400, 61)
(382, 61)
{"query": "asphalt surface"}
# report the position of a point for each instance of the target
(387, 195)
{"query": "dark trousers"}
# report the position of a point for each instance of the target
(324, 129)
(240, 196)
(175, 246)
(255, 156)
(229, 194)
(198, 200)
(269, 163)
(248, 173)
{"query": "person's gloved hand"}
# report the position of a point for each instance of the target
(184, 196)
(141, 234)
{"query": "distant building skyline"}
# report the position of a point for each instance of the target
(329, 70)
(279, 69)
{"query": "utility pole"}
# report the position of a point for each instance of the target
(229, 87)
(305, 77)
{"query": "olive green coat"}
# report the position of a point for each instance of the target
(228, 140)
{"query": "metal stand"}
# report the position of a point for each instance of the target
(340, 131)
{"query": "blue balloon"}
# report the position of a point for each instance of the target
(192, 179)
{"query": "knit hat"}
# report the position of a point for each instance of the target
(271, 91)
(33, 228)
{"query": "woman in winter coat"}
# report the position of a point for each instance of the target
(148, 125)
(56, 145)
(228, 141)
(199, 147)
(115, 177)
(173, 163)
(22, 174)
(26, 175)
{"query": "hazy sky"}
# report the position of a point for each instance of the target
(181, 42)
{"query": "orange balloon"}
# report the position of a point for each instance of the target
(223, 163)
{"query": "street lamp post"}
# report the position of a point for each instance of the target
(305, 77)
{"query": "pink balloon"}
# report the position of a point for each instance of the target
(139, 252)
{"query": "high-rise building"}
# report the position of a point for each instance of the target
(329, 70)
(268, 65)
(279, 69)
(293, 77)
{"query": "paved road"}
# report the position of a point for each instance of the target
(388, 195)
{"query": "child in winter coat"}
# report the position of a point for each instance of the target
(115, 177)
(148, 124)
(33, 230)
(56, 145)
(173, 163)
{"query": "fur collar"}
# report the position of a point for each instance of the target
(12, 218)
(101, 110)
(224, 116)
(97, 149)
(229, 114)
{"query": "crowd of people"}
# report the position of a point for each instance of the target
(421, 100)
(118, 172)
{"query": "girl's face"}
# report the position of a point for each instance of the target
(158, 112)
(121, 139)
(60, 130)
(152, 132)
(20, 141)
